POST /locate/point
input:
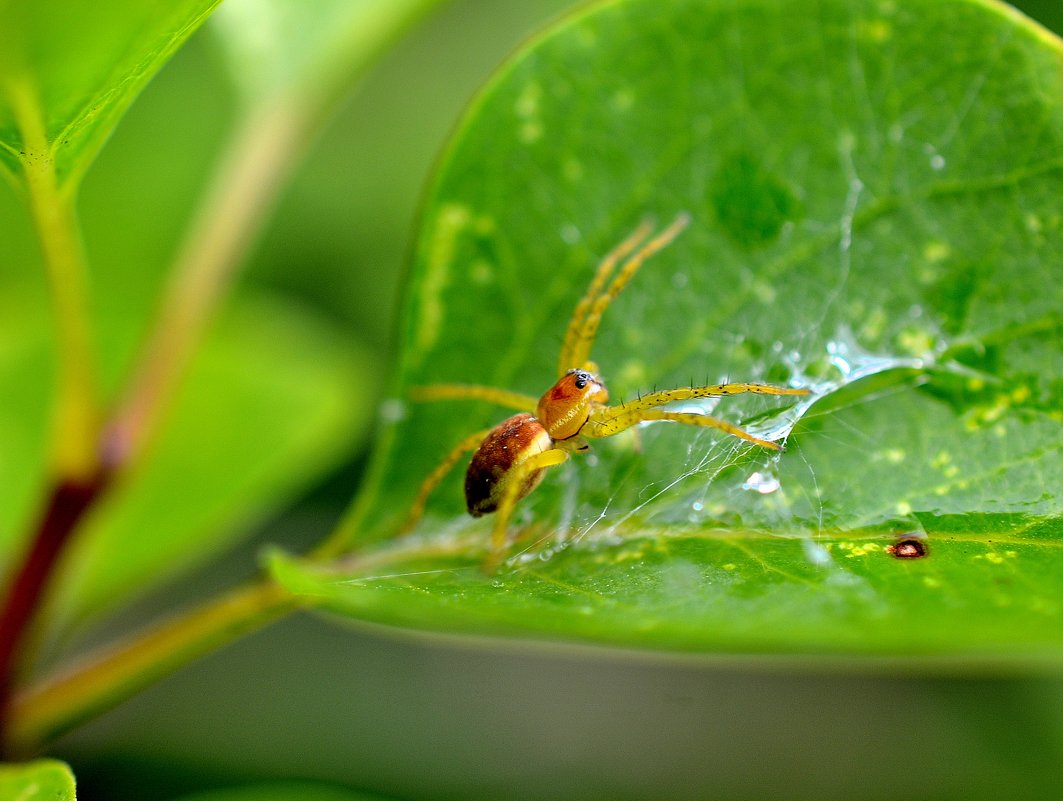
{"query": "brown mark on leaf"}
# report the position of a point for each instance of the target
(908, 548)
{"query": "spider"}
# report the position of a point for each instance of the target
(511, 458)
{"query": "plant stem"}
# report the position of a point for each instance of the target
(243, 190)
(77, 414)
(44, 711)
(258, 158)
(77, 478)
(67, 505)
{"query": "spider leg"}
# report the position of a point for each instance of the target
(511, 494)
(431, 481)
(438, 392)
(577, 352)
(604, 422)
(601, 275)
(624, 419)
(660, 398)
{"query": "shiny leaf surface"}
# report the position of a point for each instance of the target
(869, 220)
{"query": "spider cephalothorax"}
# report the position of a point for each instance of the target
(565, 408)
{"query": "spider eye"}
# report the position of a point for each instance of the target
(582, 378)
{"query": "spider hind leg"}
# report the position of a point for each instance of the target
(511, 494)
(431, 481)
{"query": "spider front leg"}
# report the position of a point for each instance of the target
(621, 422)
(583, 328)
(610, 420)
(514, 482)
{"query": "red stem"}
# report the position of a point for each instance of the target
(66, 506)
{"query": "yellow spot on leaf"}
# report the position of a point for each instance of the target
(863, 549)
(442, 247)
(915, 342)
(527, 104)
(895, 455)
(572, 170)
(874, 323)
(764, 292)
(481, 272)
(632, 373)
(531, 131)
(623, 100)
(877, 31)
(941, 459)
(1043, 605)
(936, 251)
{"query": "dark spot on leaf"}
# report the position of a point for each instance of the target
(953, 293)
(751, 203)
(908, 548)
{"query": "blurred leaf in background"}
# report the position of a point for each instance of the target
(284, 791)
(43, 780)
(78, 72)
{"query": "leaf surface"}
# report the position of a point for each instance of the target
(41, 780)
(73, 69)
(874, 192)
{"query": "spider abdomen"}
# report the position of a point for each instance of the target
(509, 444)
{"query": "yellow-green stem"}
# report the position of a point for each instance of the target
(46, 710)
(77, 414)
(243, 189)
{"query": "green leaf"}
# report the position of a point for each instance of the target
(281, 46)
(285, 791)
(42, 780)
(274, 398)
(73, 69)
(874, 191)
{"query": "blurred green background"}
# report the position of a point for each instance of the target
(441, 718)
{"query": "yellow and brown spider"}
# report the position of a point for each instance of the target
(512, 457)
